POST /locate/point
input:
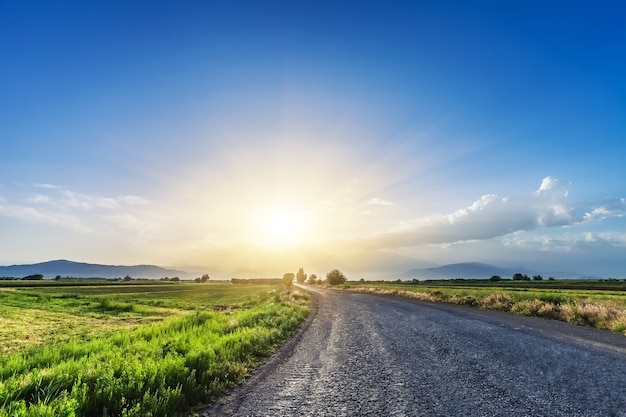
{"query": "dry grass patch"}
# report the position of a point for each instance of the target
(594, 314)
(538, 308)
(497, 301)
(396, 292)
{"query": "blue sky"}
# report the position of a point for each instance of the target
(257, 137)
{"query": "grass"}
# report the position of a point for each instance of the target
(586, 303)
(136, 351)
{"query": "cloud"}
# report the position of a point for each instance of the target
(58, 206)
(567, 243)
(615, 207)
(38, 215)
(378, 202)
(492, 216)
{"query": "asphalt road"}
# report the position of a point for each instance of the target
(369, 355)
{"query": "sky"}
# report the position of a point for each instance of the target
(251, 138)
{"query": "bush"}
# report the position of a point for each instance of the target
(335, 277)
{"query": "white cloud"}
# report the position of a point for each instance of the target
(58, 206)
(37, 198)
(567, 242)
(492, 216)
(38, 215)
(133, 200)
(378, 202)
(615, 207)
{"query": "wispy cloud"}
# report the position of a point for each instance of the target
(56, 205)
(615, 207)
(567, 242)
(492, 216)
(39, 215)
(378, 202)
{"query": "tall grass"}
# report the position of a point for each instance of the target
(597, 308)
(158, 369)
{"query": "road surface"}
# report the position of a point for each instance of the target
(370, 355)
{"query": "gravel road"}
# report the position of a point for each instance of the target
(370, 355)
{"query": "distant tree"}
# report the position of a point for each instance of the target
(127, 278)
(313, 279)
(205, 278)
(300, 276)
(537, 278)
(518, 277)
(288, 278)
(57, 278)
(526, 277)
(175, 279)
(335, 277)
(551, 279)
(34, 277)
(495, 278)
(198, 280)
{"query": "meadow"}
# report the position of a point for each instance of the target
(597, 303)
(137, 349)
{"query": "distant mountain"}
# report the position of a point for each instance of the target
(66, 268)
(477, 270)
(466, 270)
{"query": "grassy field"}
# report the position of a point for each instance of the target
(601, 304)
(135, 350)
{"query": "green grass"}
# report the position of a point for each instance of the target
(590, 303)
(158, 349)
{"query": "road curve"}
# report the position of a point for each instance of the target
(370, 355)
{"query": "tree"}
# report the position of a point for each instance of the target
(537, 278)
(313, 279)
(335, 277)
(34, 277)
(495, 278)
(518, 277)
(300, 276)
(175, 279)
(288, 278)
(205, 278)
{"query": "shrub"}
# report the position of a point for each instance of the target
(335, 277)
(497, 301)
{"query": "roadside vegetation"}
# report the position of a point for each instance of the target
(136, 350)
(597, 303)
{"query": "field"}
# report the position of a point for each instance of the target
(135, 349)
(598, 303)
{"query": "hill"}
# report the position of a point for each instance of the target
(66, 268)
(477, 270)
(466, 270)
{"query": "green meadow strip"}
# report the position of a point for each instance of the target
(158, 369)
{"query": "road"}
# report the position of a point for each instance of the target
(370, 355)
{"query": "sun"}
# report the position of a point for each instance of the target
(279, 226)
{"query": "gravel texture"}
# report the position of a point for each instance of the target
(369, 355)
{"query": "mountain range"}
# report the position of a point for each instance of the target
(477, 270)
(67, 268)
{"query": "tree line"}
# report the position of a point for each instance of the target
(333, 277)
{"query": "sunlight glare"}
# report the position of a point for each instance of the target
(280, 226)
